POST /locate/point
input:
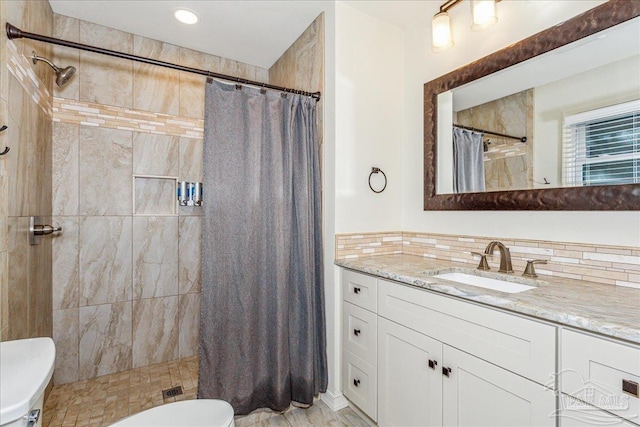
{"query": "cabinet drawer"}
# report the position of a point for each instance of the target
(595, 370)
(519, 345)
(359, 332)
(575, 413)
(359, 289)
(359, 383)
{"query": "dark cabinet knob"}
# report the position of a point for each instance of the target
(446, 371)
(433, 364)
(630, 387)
(356, 382)
(356, 332)
(356, 290)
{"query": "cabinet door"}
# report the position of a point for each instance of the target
(409, 391)
(602, 373)
(477, 393)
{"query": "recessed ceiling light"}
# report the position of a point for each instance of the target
(185, 16)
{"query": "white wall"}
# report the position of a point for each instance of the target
(369, 113)
(363, 124)
(601, 87)
(517, 20)
(332, 293)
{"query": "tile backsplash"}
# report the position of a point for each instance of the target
(612, 265)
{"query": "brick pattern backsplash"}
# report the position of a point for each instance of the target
(365, 244)
(612, 265)
(108, 116)
(19, 66)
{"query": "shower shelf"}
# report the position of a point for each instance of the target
(155, 195)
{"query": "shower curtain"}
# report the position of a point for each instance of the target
(262, 334)
(468, 161)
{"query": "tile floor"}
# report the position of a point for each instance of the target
(101, 401)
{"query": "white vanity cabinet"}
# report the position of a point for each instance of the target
(602, 373)
(441, 361)
(575, 413)
(478, 393)
(359, 341)
(409, 377)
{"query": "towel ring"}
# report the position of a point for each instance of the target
(376, 170)
(6, 149)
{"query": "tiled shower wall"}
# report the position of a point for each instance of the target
(126, 287)
(508, 164)
(611, 265)
(25, 174)
(302, 65)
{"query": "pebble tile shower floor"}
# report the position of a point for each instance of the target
(104, 400)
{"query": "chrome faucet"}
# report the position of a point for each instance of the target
(505, 256)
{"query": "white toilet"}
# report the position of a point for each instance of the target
(26, 366)
(187, 413)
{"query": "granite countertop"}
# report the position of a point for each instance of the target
(604, 309)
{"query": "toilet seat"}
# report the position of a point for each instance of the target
(187, 413)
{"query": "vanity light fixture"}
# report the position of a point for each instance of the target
(186, 16)
(483, 14)
(441, 38)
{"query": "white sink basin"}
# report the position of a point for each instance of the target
(485, 282)
(26, 366)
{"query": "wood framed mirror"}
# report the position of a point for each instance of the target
(596, 197)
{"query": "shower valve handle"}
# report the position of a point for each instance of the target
(43, 230)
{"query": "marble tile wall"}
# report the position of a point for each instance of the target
(126, 286)
(302, 65)
(612, 265)
(25, 174)
(508, 163)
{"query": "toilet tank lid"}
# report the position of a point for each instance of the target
(26, 367)
(187, 413)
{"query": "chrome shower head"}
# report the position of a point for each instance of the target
(62, 75)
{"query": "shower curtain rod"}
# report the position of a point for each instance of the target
(519, 138)
(16, 33)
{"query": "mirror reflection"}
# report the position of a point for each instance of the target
(568, 118)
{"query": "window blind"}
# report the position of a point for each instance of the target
(602, 147)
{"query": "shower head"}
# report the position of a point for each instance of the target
(62, 75)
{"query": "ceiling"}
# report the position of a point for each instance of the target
(253, 32)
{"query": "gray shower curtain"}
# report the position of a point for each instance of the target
(262, 334)
(468, 161)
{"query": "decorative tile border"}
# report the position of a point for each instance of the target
(505, 149)
(92, 114)
(612, 265)
(108, 116)
(367, 244)
(18, 65)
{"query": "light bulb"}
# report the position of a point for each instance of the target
(185, 16)
(484, 14)
(441, 32)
